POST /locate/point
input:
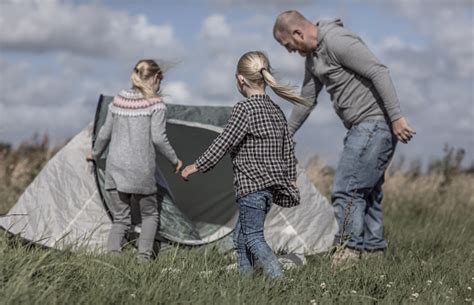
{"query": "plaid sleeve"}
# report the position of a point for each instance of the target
(233, 133)
(289, 155)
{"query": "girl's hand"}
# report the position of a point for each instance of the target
(89, 157)
(179, 165)
(188, 170)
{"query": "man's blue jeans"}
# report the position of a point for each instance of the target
(357, 186)
(249, 240)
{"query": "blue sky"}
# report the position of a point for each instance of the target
(56, 57)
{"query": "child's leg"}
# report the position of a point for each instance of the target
(244, 257)
(122, 220)
(150, 217)
(252, 212)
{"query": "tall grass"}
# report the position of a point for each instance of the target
(19, 166)
(430, 259)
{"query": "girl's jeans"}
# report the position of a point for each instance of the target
(357, 186)
(122, 220)
(249, 240)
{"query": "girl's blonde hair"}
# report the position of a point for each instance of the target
(255, 67)
(142, 72)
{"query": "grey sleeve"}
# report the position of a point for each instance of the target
(310, 91)
(103, 138)
(159, 137)
(351, 52)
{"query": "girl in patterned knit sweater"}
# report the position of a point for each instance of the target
(135, 128)
(263, 159)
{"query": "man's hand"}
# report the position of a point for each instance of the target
(188, 170)
(402, 131)
(179, 165)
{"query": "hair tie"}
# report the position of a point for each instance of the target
(261, 70)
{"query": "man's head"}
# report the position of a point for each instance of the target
(296, 33)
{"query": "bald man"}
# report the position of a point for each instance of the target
(364, 98)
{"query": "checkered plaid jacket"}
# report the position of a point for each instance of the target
(261, 149)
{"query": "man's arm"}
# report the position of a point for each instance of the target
(310, 91)
(351, 52)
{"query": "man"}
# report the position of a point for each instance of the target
(364, 98)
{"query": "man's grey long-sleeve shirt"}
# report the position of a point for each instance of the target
(134, 129)
(359, 85)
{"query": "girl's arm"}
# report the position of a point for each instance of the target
(159, 137)
(103, 138)
(233, 133)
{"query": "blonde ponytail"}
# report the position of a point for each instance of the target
(286, 92)
(255, 67)
(142, 72)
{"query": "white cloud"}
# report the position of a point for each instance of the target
(449, 24)
(57, 103)
(82, 29)
(273, 4)
(177, 92)
(215, 27)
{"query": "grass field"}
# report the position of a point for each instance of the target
(430, 260)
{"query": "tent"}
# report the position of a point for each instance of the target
(66, 204)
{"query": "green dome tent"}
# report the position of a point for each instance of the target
(66, 204)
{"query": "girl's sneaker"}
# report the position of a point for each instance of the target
(141, 259)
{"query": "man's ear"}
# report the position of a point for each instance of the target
(298, 34)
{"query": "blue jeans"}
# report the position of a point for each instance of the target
(249, 240)
(357, 186)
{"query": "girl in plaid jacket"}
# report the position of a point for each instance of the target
(263, 159)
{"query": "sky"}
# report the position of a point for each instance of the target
(58, 56)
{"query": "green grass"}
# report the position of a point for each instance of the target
(430, 260)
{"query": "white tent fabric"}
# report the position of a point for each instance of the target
(63, 208)
(308, 228)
